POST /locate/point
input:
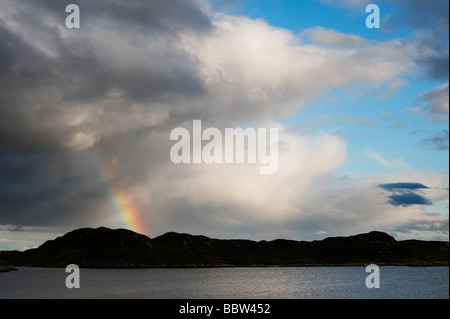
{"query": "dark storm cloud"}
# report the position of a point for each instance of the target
(33, 188)
(404, 195)
(397, 186)
(407, 199)
(62, 90)
(47, 73)
(154, 15)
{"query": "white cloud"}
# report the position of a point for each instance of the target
(241, 188)
(270, 71)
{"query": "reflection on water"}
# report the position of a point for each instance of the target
(240, 283)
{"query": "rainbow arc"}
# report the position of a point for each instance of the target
(120, 201)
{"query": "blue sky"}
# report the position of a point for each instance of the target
(356, 109)
(382, 124)
(298, 16)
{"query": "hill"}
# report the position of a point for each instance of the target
(112, 248)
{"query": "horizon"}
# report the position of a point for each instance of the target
(216, 238)
(89, 99)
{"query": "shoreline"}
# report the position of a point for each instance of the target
(417, 265)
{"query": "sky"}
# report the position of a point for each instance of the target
(86, 116)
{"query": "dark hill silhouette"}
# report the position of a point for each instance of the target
(108, 248)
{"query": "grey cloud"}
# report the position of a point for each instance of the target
(46, 85)
(434, 104)
(35, 188)
(437, 142)
(154, 15)
(407, 199)
(433, 57)
(428, 222)
(172, 14)
(437, 101)
(430, 21)
(404, 195)
(399, 186)
(436, 66)
(332, 38)
(227, 5)
(425, 13)
(431, 17)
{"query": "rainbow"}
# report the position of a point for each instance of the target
(120, 201)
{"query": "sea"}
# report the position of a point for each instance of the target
(395, 282)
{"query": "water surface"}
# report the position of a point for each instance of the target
(226, 283)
